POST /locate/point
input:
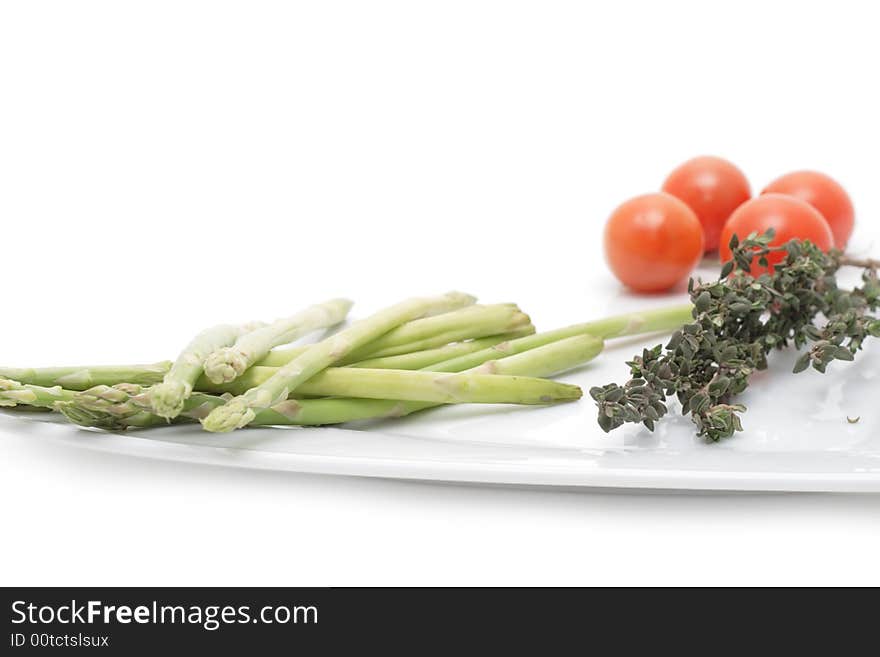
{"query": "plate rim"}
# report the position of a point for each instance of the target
(481, 472)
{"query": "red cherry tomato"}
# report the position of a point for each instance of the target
(791, 218)
(824, 194)
(713, 188)
(653, 242)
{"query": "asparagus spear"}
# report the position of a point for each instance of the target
(661, 319)
(471, 322)
(113, 406)
(648, 321)
(424, 334)
(85, 376)
(239, 412)
(416, 360)
(124, 405)
(434, 387)
(13, 393)
(546, 360)
(438, 387)
(177, 385)
(280, 357)
(434, 342)
(121, 406)
(86, 417)
(228, 363)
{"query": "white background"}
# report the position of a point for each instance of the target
(165, 166)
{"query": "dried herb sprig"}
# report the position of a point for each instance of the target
(738, 320)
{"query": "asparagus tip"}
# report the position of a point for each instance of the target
(89, 418)
(233, 415)
(168, 398)
(225, 365)
(13, 393)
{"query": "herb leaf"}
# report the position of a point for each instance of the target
(738, 320)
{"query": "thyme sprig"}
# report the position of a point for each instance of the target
(738, 320)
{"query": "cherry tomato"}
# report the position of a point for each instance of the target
(653, 242)
(824, 194)
(713, 188)
(790, 217)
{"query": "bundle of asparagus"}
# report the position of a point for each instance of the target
(420, 353)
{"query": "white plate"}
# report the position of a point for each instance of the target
(797, 438)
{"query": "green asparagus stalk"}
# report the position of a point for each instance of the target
(428, 333)
(417, 360)
(122, 406)
(177, 385)
(661, 319)
(437, 387)
(240, 411)
(255, 376)
(258, 375)
(281, 357)
(433, 342)
(636, 323)
(431, 332)
(649, 321)
(547, 360)
(112, 407)
(229, 363)
(544, 358)
(13, 393)
(126, 405)
(86, 376)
